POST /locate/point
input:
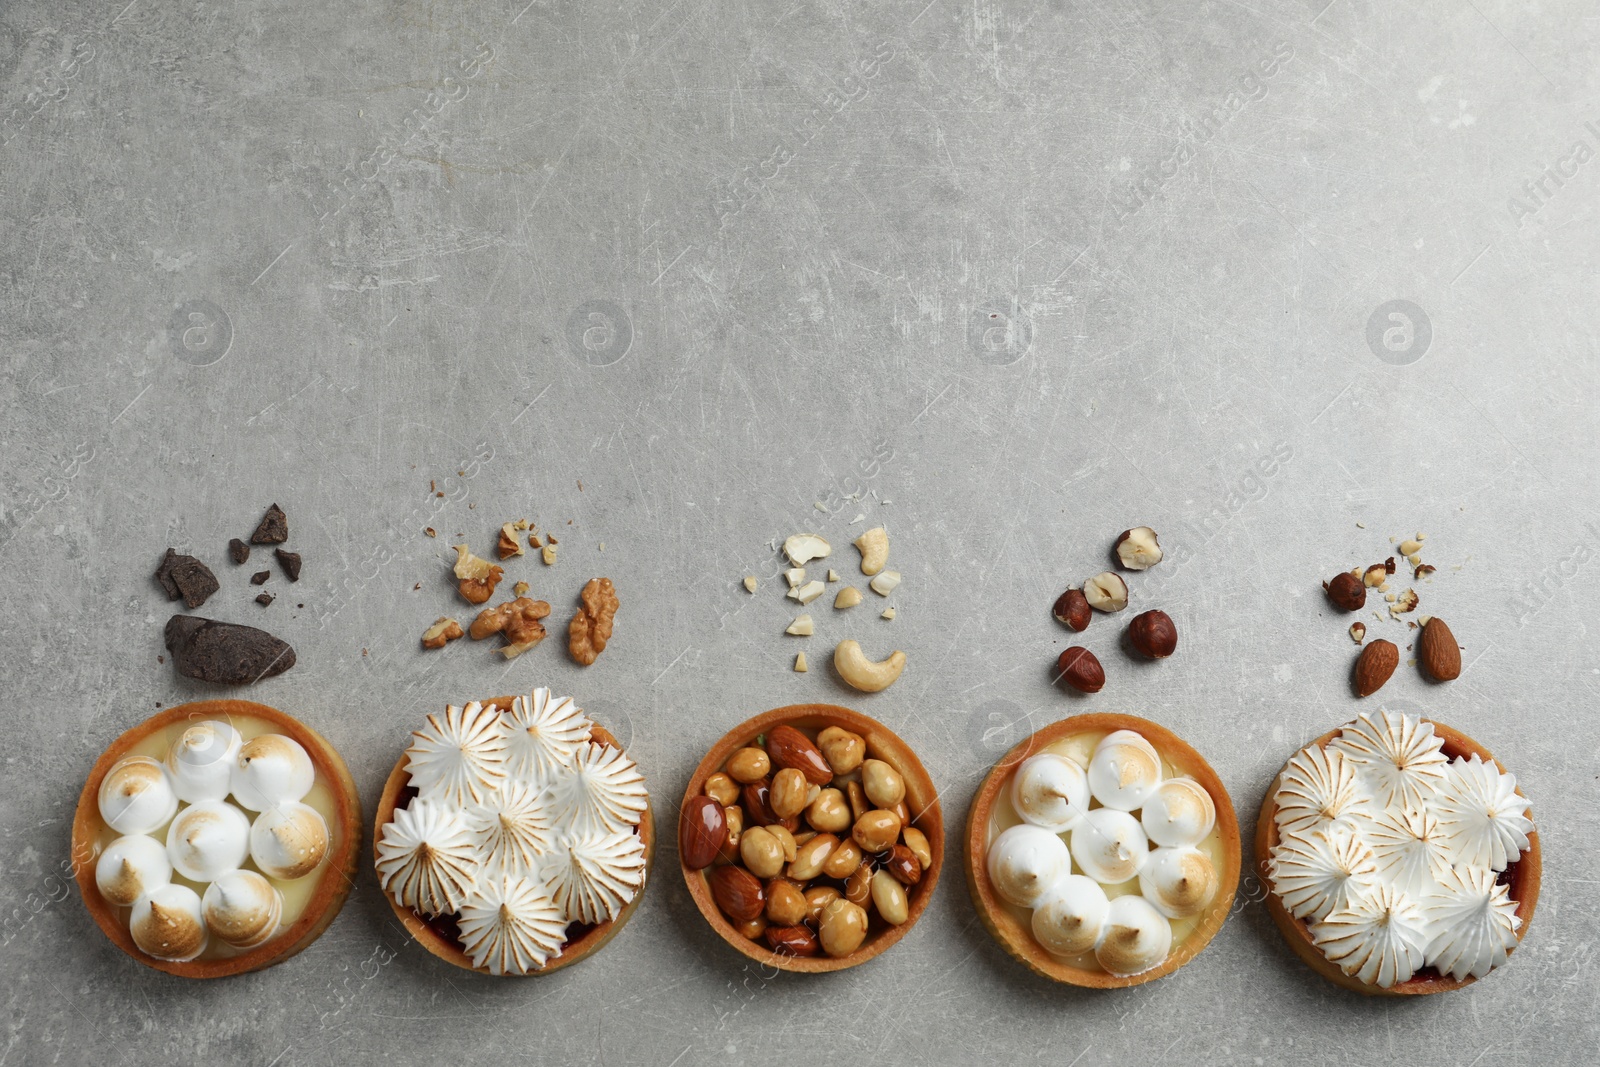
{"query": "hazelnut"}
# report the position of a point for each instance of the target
(761, 852)
(748, 765)
(877, 830)
(1358, 632)
(1106, 591)
(1137, 549)
(829, 813)
(786, 904)
(1345, 591)
(1375, 575)
(723, 788)
(1072, 610)
(788, 794)
(1080, 669)
(1152, 634)
(842, 749)
(883, 784)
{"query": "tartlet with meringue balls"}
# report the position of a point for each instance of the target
(216, 837)
(1103, 851)
(1401, 858)
(514, 836)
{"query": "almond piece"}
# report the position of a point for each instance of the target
(1438, 652)
(1375, 666)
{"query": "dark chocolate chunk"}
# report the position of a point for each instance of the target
(274, 528)
(164, 575)
(186, 578)
(290, 561)
(264, 599)
(224, 652)
(260, 577)
(238, 550)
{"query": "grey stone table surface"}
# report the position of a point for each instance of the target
(678, 278)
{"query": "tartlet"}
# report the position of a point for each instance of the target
(261, 899)
(1427, 743)
(584, 918)
(1067, 901)
(921, 804)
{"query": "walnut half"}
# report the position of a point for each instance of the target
(477, 577)
(517, 619)
(590, 628)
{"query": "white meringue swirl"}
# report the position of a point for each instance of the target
(593, 876)
(1482, 815)
(460, 757)
(1398, 756)
(511, 925)
(426, 858)
(1379, 937)
(543, 734)
(1475, 923)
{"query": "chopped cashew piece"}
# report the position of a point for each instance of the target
(861, 673)
(803, 548)
(833, 575)
(885, 583)
(800, 664)
(808, 592)
(549, 553)
(848, 597)
(795, 576)
(750, 583)
(888, 613)
(874, 546)
(801, 627)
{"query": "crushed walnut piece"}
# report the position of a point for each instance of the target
(508, 544)
(477, 577)
(590, 629)
(443, 630)
(517, 619)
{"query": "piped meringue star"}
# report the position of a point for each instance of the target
(1483, 818)
(460, 758)
(511, 926)
(592, 876)
(426, 858)
(1410, 849)
(1397, 755)
(1474, 921)
(1319, 871)
(511, 829)
(544, 734)
(1319, 786)
(1378, 938)
(601, 791)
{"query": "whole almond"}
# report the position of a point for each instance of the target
(791, 748)
(793, 940)
(1438, 652)
(702, 829)
(1374, 666)
(738, 893)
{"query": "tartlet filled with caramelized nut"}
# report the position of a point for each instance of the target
(811, 838)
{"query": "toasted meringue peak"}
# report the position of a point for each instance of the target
(166, 923)
(1320, 786)
(426, 859)
(1026, 863)
(242, 908)
(1110, 846)
(1180, 881)
(1069, 920)
(1320, 871)
(1180, 813)
(1474, 923)
(511, 830)
(1398, 755)
(136, 796)
(459, 757)
(511, 925)
(1124, 771)
(1410, 850)
(201, 762)
(289, 841)
(1136, 937)
(1483, 818)
(130, 867)
(1378, 938)
(1050, 791)
(207, 839)
(544, 734)
(593, 876)
(601, 790)
(271, 769)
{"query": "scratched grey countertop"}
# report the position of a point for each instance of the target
(1281, 280)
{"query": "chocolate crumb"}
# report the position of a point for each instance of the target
(164, 574)
(160, 658)
(238, 550)
(416, 587)
(264, 599)
(224, 652)
(290, 561)
(260, 577)
(274, 528)
(299, 605)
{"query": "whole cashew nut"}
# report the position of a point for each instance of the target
(874, 546)
(862, 673)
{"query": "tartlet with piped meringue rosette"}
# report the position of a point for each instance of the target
(514, 836)
(216, 837)
(1400, 857)
(1103, 851)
